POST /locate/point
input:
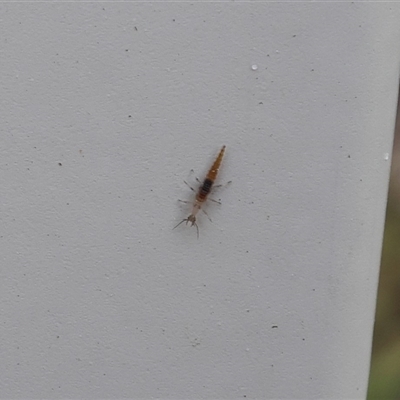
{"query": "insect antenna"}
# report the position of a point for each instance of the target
(180, 223)
(193, 223)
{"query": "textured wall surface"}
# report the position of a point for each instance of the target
(105, 109)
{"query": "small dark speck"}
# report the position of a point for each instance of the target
(294, 36)
(348, 156)
(135, 28)
(126, 50)
(304, 339)
(274, 326)
(173, 20)
(360, 180)
(129, 116)
(312, 70)
(58, 337)
(260, 102)
(59, 164)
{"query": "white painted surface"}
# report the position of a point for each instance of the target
(99, 297)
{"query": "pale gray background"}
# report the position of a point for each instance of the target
(99, 297)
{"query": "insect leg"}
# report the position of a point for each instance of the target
(189, 186)
(215, 201)
(221, 185)
(204, 211)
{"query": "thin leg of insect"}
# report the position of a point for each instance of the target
(204, 211)
(215, 201)
(222, 184)
(190, 202)
(189, 186)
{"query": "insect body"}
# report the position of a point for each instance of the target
(204, 191)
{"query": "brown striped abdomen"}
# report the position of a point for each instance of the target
(204, 190)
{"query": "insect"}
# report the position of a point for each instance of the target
(204, 191)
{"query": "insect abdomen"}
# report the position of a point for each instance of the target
(205, 189)
(212, 173)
